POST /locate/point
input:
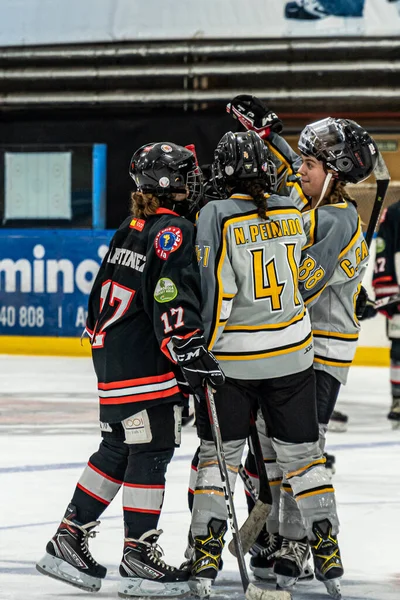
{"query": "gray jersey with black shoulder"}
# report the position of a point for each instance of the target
(254, 316)
(330, 275)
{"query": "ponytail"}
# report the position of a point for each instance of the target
(338, 194)
(256, 188)
(143, 205)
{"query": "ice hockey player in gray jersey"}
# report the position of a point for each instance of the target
(334, 151)
(249, 249)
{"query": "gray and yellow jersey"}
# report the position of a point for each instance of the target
(254, 316)
(330, 275)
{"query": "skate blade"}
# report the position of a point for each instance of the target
(333, 588)
(264, 574)
(59, 569)
(201, 587)
(307, 574)
(283, 582)
(131, 587)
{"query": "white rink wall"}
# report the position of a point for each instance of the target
(36, 22)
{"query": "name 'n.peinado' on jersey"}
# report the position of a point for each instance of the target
(269, 330)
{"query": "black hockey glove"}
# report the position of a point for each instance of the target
(365, 308)
(253, 114)
(197, 363)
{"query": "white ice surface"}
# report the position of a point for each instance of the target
(48, 431)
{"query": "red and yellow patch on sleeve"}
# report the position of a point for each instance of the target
(137, 224)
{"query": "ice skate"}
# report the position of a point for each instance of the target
(305, 10)
(261, 563)
(327, 560)
(338, 422)
(144, 573)
(68, 558)
(290, 562)
(394, 415)
(206, 562)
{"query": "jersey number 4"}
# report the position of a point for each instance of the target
(266, 283)
(120, 298)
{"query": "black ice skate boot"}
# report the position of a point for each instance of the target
(208, 549)
(394, 415)
(291, 562)
(338, 422)
(68, 557)
(261, 561)
(189, 554)
(305, 10)
(327, 560)
(144, 573)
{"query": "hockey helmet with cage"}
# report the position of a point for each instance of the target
(343, 146)
(164, 169)
(239, 157)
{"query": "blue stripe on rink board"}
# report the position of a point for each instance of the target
(187, 457)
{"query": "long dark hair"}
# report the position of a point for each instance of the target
(256, 188)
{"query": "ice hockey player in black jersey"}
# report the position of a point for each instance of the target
(146, 331)
(386, 280)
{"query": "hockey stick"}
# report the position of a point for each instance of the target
(382, 177)
(248, 484)
(251, 591)
(256, 520)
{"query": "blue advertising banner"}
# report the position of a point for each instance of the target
(45, 279)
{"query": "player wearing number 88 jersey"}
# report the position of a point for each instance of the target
(249, 247)
(144, 306)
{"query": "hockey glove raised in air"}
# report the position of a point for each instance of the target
(197, 363)
(253, 114)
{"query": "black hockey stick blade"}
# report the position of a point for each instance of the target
(382, 177)
(255, 593)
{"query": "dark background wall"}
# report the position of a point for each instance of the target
(123, 135)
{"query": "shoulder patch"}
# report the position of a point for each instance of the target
(165, 290)
(380, 245)
(137, 224)
(167, 240)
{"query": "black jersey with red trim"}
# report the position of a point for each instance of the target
(386, 277)
(146, 291)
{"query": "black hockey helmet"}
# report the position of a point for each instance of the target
(242, 156)
(343, 145)
(163, 169)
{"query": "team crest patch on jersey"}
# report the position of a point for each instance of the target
(168, 240)
(137, 224)
(165, 290)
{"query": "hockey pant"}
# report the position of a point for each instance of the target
(133, 455)
(327, 389)
(299, 463)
